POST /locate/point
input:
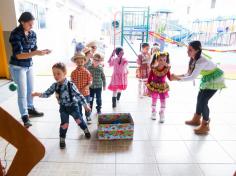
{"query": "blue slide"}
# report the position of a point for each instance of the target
(214, 38)
(184, 34)
(181, 37)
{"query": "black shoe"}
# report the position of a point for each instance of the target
(34, 113)
(62, 143)
(87, 133)
(99, 111)
(118, 95)
(26, 121)
(113, 102)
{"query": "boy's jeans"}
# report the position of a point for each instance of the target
(65, 112)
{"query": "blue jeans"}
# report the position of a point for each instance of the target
(87, 114)
(98, 93)
(65, 112)
(23, 77)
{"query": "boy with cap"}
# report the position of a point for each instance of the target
(93, 46)
(88, 54)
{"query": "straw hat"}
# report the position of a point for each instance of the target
(91, 44)
(78, 56)
(86, 50)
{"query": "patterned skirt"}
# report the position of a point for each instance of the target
(142, 72)
(160, 90)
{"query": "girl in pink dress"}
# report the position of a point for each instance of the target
(119, 76)
(157, 86)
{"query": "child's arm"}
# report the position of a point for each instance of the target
(81, 99)
(111, 59)
(139, 60)
(47, 93)
(90, 80)
(150, 76)
(103, 80)
(73, 77)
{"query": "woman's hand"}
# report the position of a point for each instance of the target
(104, 88)
(47, 51)
(42, 52)
(36, 94)
(175, 77)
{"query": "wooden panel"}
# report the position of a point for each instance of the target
(29, 150)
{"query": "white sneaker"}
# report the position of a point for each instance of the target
(162, 117)
(153, 117)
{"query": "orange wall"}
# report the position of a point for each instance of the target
(4, 72)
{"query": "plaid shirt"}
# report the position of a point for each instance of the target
(22, 44)
(89, 63)
(81, 77)
(99, 79)
(64, 98)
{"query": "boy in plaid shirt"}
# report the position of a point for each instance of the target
(82, 78)
(99, 82)
(68, 98)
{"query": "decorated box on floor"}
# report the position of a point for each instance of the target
(115, 126)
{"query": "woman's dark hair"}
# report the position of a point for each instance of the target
(157, 56)
(196, 45)
(60, 65)
(25, 17)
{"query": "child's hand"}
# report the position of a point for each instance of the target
(36, 94)
(104, 88)
(86, 87)
(113, 53)
(87, 108)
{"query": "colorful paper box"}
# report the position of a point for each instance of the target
(113, 126)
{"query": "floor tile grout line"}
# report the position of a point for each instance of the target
(196, 163)
(218, 142)
(157, 169)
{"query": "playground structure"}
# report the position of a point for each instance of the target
(139, 24)
(215, 32)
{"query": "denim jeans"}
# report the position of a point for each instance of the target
(65, 112)
(87, 114)
(98, 93)
(23, 77)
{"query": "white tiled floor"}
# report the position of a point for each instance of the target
(169, 149)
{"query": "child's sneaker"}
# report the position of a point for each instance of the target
(89, 120)
(162, 117)
(27, 124)
(153, 117)
(87, 133)
(62, 143)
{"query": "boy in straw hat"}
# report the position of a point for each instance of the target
(88, 54)
(83, 80)
(92, 45)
